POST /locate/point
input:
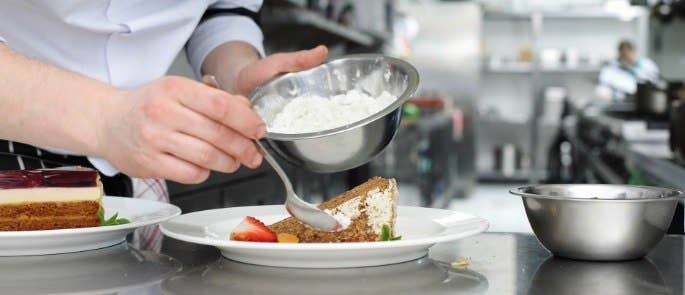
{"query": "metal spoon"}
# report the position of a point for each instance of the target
(305, 212)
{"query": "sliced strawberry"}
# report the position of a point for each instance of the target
(253, 230)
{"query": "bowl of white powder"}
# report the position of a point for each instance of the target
(338, 115)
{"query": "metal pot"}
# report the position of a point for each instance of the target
(651, 100)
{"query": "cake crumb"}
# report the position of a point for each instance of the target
(461, 263)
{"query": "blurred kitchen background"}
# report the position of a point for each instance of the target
(509, 95)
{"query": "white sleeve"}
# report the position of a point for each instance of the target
(100, 164)
(224, 27)
(2, 40)
(103, 166)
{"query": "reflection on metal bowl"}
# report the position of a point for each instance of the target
(348, 146)
(563, 276)
(597, 221)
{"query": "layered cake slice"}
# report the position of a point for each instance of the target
(49, 199)
(367, 212)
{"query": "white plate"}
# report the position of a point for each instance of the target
(419, 227)
(41, 242)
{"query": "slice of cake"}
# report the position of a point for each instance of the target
(364, 210)
(49, 199)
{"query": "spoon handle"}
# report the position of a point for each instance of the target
(276, 166)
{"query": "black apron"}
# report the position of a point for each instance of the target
(17, 156)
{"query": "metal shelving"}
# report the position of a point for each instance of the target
(561, 15)
(288, 20)
(282, 20)
(527, 68)
(536, 70)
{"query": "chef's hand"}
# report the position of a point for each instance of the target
(265, 69)
(178, 129)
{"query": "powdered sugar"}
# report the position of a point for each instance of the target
(311, 113)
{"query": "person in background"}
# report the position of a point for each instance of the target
(83, 83)
(619, 78)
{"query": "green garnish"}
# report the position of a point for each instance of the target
(112, 220)
(386, 235)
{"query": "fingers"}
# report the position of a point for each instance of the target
(299, 60)
(234, 111)
(172, 168)
(200, 153)
(303, 60)
(211, 81)
(225, 139)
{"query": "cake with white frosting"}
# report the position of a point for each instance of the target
(363, 211)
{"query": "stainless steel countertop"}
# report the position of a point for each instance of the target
(499, 263)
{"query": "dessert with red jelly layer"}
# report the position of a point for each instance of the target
(68, 197)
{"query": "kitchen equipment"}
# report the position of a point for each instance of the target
(550, 58)
(598, 221)
(677, 129)
(508, 159)
(298, 208)
(347, 146)
(651, 100)
(676, 90)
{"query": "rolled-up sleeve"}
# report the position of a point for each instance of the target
(225, 21)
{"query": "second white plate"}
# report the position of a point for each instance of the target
(40, 242)
(419, 227)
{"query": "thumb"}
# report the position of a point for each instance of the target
(301, 60)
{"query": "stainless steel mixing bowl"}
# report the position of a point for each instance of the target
(597, 221)
(348, 146)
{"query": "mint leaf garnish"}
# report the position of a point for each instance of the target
(123, 221)
(114, 220)
(386, 235)
(101, 216)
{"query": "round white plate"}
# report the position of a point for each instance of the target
(40, 242)
(419, 227)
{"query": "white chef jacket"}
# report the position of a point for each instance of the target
(125, 43)
(622, 81)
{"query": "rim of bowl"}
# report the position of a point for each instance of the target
(412, 85)
(676, 194)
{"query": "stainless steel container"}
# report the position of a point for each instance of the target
(348, 146)
(597, 221)
(651, 99)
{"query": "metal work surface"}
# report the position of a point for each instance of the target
(498, 263)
